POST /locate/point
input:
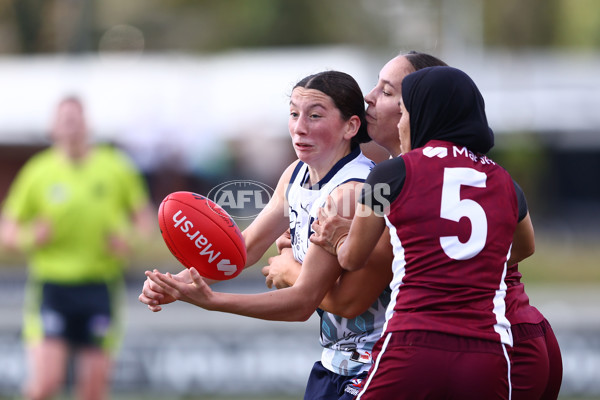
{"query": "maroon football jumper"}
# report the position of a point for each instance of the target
(452, 214)
(451, 227)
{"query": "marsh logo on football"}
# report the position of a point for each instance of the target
(241, 199)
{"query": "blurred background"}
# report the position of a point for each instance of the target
(196, 92)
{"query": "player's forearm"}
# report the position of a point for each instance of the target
(354, 292)
(261, 234)
(365, 233)
(255, 249)
(279, 305)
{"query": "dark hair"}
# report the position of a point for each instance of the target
(423, 60)
(346, 95)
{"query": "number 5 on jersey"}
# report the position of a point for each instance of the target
(453, 209)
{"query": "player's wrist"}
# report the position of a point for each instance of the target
(26, 240)
(339, 242)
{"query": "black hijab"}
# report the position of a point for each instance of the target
(445, 104)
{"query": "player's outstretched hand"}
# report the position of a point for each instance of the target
(284, 241)
(154, 296)
(282, 271)
(196, 292)
(330, 229)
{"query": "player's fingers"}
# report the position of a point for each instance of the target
(182, 278)
(151, 290)
(197, 280)
(330, 208)
(146, 300)
(269, 282)
(169, 281)
(317, 228)
(154, 271)
(280, 284)
(317, 238)
(154, 308)
(321, 214)
(283, 241)
(154, 276)
(167, 285)
(266, 269)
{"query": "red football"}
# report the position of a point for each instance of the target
(201, 235)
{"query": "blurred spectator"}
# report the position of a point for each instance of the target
(74, 210)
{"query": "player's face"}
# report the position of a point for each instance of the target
(69, 126)
(404, 129)
(382, 110)
(319, 133)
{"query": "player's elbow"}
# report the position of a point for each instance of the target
(302, 314)
(305, 317)
(521, 253)
(530, 251)
(350, 311)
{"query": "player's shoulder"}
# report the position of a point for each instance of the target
(353, 167)
(108, 150)
(41, 161)
(291, 171)
(112, 156)
(44, 155)
(362, 158)
(390, 166)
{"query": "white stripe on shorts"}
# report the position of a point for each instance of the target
(372, 373)
(508, 363)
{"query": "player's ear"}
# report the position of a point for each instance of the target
(352, 126)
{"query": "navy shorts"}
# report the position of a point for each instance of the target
(80, 314)
(326, 385)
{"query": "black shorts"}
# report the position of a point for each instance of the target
(80, 314)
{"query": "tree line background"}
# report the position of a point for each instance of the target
(76, 26)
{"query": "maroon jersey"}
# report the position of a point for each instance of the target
(451, 225)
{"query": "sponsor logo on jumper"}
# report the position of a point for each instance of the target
(463, 151)
(439, 152)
